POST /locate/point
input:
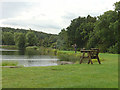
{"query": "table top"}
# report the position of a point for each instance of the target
(88, 50)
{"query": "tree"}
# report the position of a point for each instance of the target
(71, 29)
(117, 6)
(8, 38)
(79, 29)
(31, 38)
(117, 9)
(20, 40)
(105, 31)
(62, 41)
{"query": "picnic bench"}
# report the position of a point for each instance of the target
(91, 54)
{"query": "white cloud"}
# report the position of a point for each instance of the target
(50, 15)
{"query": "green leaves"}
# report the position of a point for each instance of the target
(101, 32)
(31, 38)
(20, 40)
(79, 29)
(117, 6)
(8, 38)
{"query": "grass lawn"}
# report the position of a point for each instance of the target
(65, 76)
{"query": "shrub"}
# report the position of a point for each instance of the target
(113, 49)
(31, 50)
(68, 56)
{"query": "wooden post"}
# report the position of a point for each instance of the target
(98, 59)
(82, 57)
(96, 50)
(89, 56)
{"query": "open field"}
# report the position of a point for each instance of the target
(65, 76)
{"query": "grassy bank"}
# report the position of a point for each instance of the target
(62, 55)
(9, 46)
(65, 76)
(8, 63)
(40, 50)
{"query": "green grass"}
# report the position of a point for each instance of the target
(9, 63)
(9, 46)
(70, 52)
(65, 76)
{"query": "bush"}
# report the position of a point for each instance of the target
(113, 49)
(32, 47)
(102, 47)
(68, 56)
(31, 50)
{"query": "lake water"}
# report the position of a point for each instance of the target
(28, 59)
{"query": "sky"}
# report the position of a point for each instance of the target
(49, 16)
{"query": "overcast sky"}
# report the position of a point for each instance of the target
(49, 16)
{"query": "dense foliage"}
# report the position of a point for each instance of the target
(7, 38)
(23, 38)
(90, 32)
(20, 40)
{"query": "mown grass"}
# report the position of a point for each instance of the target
(65, 76)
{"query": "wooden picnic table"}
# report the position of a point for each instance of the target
(91, 54)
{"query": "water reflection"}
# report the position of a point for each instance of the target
(30, 63)
(28, 58)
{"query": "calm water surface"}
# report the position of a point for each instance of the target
(28, 58)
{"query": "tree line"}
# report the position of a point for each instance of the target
(23, 38)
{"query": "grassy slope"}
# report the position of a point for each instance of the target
(9, 46)
(65, 76)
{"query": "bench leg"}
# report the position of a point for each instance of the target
(98, 60)
(89, 55)
(88, 61)
(82, 58)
